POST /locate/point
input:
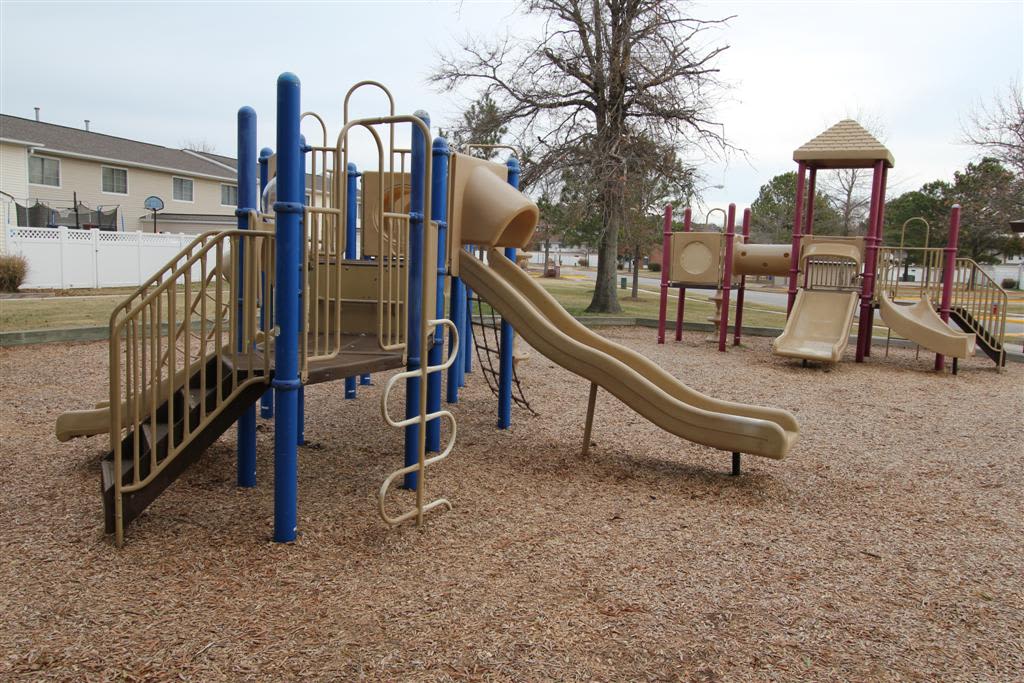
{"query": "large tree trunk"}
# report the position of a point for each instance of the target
(636, 272)
(605, 299)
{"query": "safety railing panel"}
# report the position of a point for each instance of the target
(831, 273)
(324, 224)
(183, 349)
(893, 273)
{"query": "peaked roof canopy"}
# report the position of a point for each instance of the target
(844, 145)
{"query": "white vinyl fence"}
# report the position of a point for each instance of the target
(66, 258)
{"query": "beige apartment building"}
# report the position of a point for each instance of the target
(52, 164)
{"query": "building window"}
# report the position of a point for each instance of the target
(115, 180)
(44, 171)
(229, 195)
(182, 190)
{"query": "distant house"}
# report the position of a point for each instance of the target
(52, 164)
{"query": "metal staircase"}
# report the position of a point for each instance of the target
(188, 354)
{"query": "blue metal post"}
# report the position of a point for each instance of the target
(438, 213)
(246, 442)
(507, 334)
(351, 174)
(364, 379)
(457, 314)
(267, 400)
(289, 209)
(467, 333)
(414, 265)
(300, 432)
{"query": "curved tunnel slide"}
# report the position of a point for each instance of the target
(629, 376)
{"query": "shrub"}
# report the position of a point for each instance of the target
(654, 267)
(13, 270)
(1009, 283)
(583, 262)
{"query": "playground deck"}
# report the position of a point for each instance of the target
(887, 546)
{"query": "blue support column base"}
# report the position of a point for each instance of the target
(286, 466)
(350, 387)
(247, 448)
(364, 380)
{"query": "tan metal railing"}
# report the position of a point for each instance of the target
(392, 214)
(892, 262)
(182, 347)
(831, 273)
(324, 222)
(980, 302)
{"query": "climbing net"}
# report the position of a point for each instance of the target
(487, 340)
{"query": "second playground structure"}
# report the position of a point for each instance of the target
(296, 296)
(831, 277)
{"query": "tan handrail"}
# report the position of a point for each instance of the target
(182, 348)
(981, 303)
(903, 237)
(890, 264)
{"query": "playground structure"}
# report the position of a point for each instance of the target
(293, 297)
(829, 275)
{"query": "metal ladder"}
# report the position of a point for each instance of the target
(420, 467)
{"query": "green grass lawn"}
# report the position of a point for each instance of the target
(71, 308)
(575, 296)
(89, 308)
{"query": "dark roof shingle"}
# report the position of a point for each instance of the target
(54, 138)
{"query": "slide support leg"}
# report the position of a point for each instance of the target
(588, 427)
(736, 464)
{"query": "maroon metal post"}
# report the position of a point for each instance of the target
(666, 242)
(809, 222)
(794, 263)
(687, 222)
(867, 289)
(878, 239)
(948, 266)
(730, 234)
(738, 328)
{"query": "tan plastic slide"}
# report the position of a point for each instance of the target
(629, 376)
(920, 324)
(83, 423)
(818, 327)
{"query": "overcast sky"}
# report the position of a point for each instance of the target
(172, 72)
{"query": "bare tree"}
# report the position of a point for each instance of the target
(201, 145)
(655, 176)
(998, 128)
(602, 72)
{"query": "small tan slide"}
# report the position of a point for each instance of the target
(83, 423)
(632, 378)
(919, 323)
(818, 327)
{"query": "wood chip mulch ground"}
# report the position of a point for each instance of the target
(888, 546)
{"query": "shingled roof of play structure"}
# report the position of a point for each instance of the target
(844, 145)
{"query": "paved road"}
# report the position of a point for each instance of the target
(1014, 329)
